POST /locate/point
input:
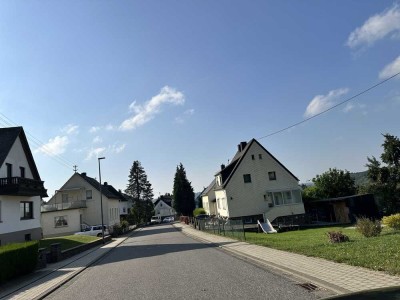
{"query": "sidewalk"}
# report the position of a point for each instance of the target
(337, 277)
(44, 281)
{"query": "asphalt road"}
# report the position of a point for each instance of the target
(160, 262)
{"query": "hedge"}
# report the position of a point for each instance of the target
(18, 259)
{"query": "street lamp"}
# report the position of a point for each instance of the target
(101, 201)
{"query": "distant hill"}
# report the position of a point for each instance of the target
(360, 178)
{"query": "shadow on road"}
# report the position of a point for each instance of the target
(155, 229)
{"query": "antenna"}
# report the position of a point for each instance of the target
(75, 168)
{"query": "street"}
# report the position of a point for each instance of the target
(160, 262)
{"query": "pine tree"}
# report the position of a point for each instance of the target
(183, 193)
(139, 188)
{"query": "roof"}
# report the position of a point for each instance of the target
(8, 136)
(230, 169)
(166, 199)
(209, 188)
(107, 190)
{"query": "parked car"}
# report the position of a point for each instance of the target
(202, 217)
(93, 231)
(168, 219)
(155, 220)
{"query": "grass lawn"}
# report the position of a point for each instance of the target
(68, 241)
(378, 253)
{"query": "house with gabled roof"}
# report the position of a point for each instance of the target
(163, 206)
(208, 199)
(78, 202)
(21, 189)
(255, 185)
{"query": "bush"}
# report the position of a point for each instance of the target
(18, 259)
(337, 237)
(199, 211)
(117, 230)
(392, 221)
(124, 225)
(368, 228)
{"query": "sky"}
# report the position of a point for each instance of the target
(169, 82)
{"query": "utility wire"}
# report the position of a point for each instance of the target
(326, 110)
(5, 121)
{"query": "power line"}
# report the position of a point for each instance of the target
(5, 121)
(326, 110)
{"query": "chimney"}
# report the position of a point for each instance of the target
(241, 146)
(105, 183)
(222, 166)
(83, 174)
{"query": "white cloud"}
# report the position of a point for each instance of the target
(348, 107)
(189, 112)
(322, 102)
(95, 152)
(145, 113)
(376, 27)
(390, 69)
(109, 127)
(54, 146)
(97, 139)
(94, 129)
(117, 149)
(70, 129)
(186, 115)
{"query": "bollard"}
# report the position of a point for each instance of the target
(55, 252)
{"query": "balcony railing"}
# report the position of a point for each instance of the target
(63, 206)
(19, 186)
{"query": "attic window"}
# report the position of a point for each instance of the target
(88, 194)
(246, 178)
(272, 175)
(22, 169)
(260, 156)
(252, 157)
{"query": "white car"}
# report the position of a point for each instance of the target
(93, 231)
(168, 219)
(155, 220)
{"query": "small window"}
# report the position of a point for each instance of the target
(272, 175)
(88, 194)
(22, 170)
(26, 210)
(247, 178)
(61, 221)
(64, 198)
(9, 170)
(28, 237)
(260, 156)
(252, 157)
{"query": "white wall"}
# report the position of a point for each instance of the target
(17, 158)
(48, 222)
(248, 198)
(11, 215)
(164, 210)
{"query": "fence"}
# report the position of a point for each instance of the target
(229, 228)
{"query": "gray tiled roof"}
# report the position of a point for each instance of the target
(107, 190)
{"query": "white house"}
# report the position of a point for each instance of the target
(78, 202)
(255, 185)
(21, 189)
(209, 200)
(163, 207)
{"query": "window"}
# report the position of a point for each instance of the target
(278, 198)
(285, 197)
(22, 171)
(26, 210)
(28, 237)
(247, 178)
(223, 200)
(61, 221)
(9, 170)
(252, 157)
(272, 175)
(88, 194)
(260, 156)
(64, 198)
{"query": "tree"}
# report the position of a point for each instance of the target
(309, 193)
(183, 193)
(139, 188)
(334, 183)
(385, 178)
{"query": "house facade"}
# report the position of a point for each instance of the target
(208, 199)
(163, 207)
(78, 202)
(255, 185)
(21, 189)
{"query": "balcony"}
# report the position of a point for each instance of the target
(18, 186)
(63, 206)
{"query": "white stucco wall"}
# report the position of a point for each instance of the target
(245, 199)
(164, 210)
(206, 205)
(48, 222)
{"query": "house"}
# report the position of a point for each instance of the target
(78, 202)
(163, 206)
(21, 189)
(253, 186)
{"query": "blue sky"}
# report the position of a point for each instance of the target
(165, 82)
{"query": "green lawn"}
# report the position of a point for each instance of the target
(68, 241)
(378, 253)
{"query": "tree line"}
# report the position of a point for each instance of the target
(383, 179)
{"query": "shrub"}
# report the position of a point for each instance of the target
(199, 211)
(392, 221)
(368, 228)
(117, 230)
(18, 259)
(337, 237)
(124, 224)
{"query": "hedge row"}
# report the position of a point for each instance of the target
(18, 259)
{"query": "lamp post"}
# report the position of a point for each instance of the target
(101, 201)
